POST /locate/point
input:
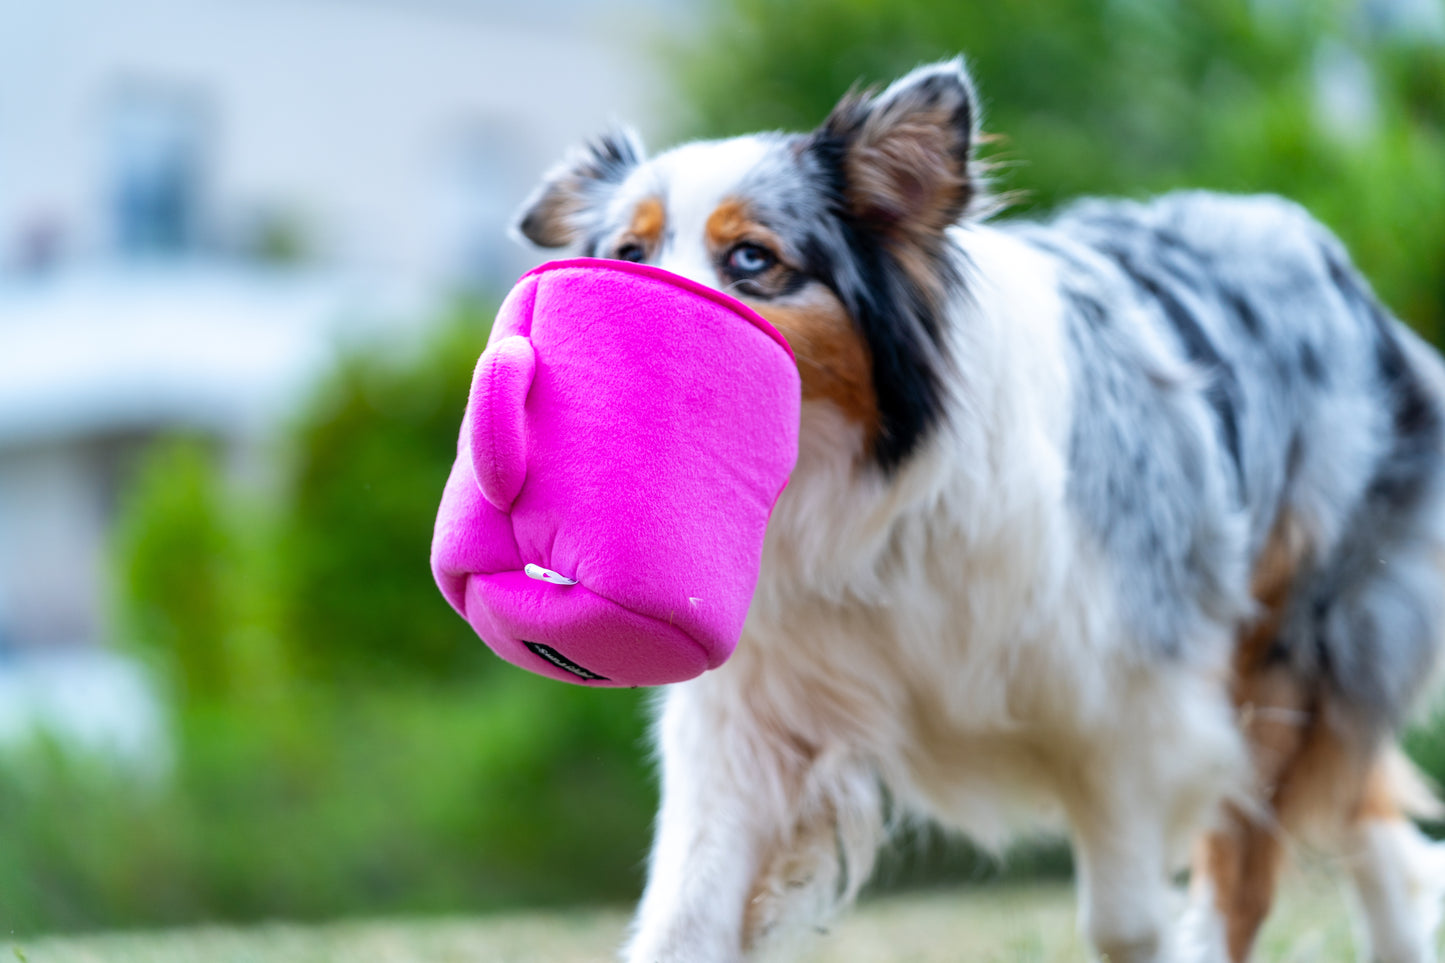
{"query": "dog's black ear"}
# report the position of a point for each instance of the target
(903, 156)
(567, 204)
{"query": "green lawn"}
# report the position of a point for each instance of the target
(980, 925)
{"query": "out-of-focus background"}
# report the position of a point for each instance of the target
(249, 250)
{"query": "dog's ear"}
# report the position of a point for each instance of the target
(571, 197)
(903, 156)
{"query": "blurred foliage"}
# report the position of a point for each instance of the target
(344, 743)
(372, 455)
(310, 805)
(1128, 97)
(197, 585)
(176, 581)
(328, 579)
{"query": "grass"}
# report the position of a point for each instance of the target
(1016, 924)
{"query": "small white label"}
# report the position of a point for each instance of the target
(547, 575)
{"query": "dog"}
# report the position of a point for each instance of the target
(1134, 517)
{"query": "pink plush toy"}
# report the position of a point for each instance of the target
(627, 435)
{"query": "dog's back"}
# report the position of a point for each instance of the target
(1323, 428)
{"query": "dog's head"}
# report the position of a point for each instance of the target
(836, 236)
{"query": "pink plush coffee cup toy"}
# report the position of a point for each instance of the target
(627, 434)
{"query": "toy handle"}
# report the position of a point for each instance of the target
(499, 428)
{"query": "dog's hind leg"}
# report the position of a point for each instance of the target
(1372, 623)
(1237, 865)
(1318, 778)
(1360, 802)
(1398, 873)
(1323, 785)
(1236, 870)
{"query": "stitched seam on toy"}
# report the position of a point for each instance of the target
(781, 488)
(665, 276)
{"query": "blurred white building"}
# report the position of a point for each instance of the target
(200, 198)
(394, 135)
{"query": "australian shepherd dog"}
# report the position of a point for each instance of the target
(1134, 516)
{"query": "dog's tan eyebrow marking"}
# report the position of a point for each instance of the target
(728, 223)
(732, 221)
(648, 220)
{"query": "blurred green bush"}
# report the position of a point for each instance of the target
(179, 578)
(310, 805)
(1129, 98)
(371, 456)
(324, 574)
(343, 743)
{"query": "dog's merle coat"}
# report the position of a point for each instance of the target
(1137, 512)
(1304, 397)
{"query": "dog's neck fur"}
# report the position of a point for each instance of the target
(837, 531)
(967, 548)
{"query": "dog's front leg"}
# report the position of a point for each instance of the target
(1122, 880)
(760, 831)
(710, 835)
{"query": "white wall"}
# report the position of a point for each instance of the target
(52, 549)
(358, 115)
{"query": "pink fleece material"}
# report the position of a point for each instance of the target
(630, 429)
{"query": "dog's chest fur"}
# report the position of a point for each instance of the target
(956, 623)
(963, 647)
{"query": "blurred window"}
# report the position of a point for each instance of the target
(1405, 19)
(156, 162)
(7, 641)
(478, 194)
(39, 244)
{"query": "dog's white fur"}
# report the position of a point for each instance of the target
(946, 641)
(1009, 687)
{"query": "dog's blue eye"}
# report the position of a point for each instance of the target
(631, 252)
(750, 259)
